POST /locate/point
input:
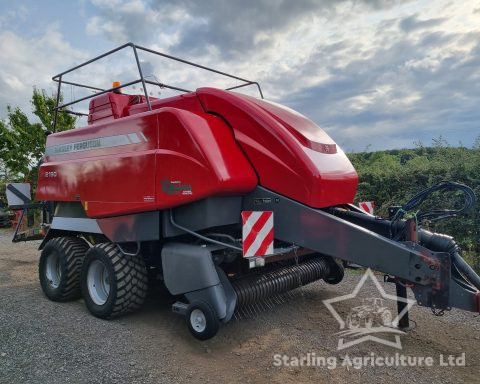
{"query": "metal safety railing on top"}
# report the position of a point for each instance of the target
(142, 79)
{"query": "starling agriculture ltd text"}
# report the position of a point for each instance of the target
(357, 362)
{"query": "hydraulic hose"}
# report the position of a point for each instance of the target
(433, 241)
(442, 243)
(204, 238)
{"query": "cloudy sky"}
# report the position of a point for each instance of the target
(375, 74)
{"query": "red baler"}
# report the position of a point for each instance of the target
(156, 189)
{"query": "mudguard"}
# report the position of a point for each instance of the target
(189, 270)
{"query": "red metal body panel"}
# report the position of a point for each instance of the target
(188, 102)
(200, 152)
(132, 160)
(111, 106)
(172, 157)
(291, 155)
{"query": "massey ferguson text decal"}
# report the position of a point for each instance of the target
(97, 143)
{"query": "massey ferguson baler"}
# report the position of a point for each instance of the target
(226, 198)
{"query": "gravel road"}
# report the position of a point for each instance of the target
(46, 342)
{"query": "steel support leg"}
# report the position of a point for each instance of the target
(404, 321)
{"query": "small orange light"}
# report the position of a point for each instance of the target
(116, 84)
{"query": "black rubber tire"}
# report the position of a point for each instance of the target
(71, 252)
(127, 278)
(212, 323)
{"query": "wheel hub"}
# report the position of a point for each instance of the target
(53, 270)
(198, 320)
(98, 282)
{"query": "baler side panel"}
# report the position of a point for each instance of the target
(150, 161)
(109, 167)
(278, 142)
(198, 157)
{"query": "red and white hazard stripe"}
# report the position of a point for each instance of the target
(257, 233)
(367, 206)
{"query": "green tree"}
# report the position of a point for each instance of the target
(43, 107)
(393, 177)
(22, 143)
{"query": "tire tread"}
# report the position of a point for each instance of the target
(73, 250)
(131, 279)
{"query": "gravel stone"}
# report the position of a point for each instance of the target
(46, 342)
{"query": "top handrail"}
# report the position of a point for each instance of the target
(58, 78)
(54, 78)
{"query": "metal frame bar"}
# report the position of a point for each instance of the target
(430, 272)
(80, 85)
(97, 94)
(141, 77)
(167, 86)
(75, 113)
(55, 117)
(135, 49)
(332, 236)
(247, 84)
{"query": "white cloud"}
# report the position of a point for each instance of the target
(20, 13)
(28, 62)
(114, 31)
(380, 72)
